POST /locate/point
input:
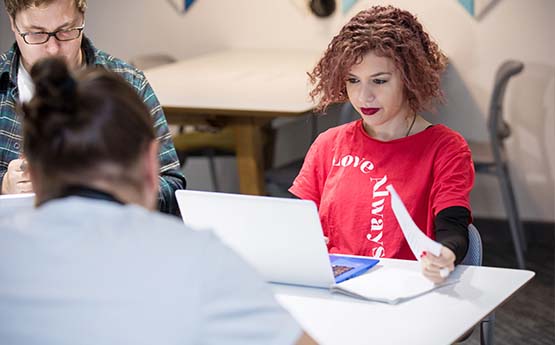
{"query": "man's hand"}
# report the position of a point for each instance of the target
(432, 265)
(16, 180)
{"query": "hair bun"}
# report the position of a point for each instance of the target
(53, 82)
(54, 104)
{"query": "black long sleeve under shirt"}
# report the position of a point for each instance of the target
(451, 230)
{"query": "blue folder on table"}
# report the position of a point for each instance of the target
(346, 267)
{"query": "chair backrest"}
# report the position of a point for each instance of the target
(474, 254)
(151, 60)
(498, 128)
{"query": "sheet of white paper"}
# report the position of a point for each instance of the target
(417, 240)
(389, 284)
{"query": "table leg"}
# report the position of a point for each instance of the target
(250, 161)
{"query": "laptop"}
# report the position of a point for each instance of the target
(15, 203)
(281, 238)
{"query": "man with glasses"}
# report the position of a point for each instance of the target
(44, 28)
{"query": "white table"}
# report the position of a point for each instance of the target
(243, 89)
(439, 317)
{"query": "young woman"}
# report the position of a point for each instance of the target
(384, 63)
(93, 262)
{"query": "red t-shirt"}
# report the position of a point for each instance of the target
(346, 171)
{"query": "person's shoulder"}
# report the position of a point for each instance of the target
(5, 58)
(165, 226)
(8, 55)
(101, 58)
(441, 129)
(7, 61)
(173, 238)
(16, 222)
(131, 221)
(119, 66)
(444, 140)
(445, 135)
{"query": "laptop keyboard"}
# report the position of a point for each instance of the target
(338, 269)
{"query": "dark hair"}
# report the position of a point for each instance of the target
(73, 128)
(14, 6)
(388, 32)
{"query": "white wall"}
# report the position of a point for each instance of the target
(147, 26)
(512, 29)
(6, 36)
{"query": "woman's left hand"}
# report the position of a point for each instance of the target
(432, 265)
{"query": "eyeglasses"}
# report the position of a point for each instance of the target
(42, 37)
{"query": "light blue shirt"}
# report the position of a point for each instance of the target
(83, 271)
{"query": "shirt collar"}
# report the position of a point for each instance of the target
(90, 53)
(84, 192)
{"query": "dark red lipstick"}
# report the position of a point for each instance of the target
(369, 111)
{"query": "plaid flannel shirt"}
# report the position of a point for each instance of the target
(171, 178)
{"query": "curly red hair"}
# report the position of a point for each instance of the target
(388, 32)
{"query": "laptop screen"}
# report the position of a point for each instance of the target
(281, 238)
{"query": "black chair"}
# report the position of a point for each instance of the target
(491, 158)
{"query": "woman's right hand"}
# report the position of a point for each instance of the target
(437, 268)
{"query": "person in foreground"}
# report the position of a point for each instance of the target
(93, 263)
(48, 28)
(388, 67)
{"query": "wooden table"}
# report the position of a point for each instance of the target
(244, 89)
